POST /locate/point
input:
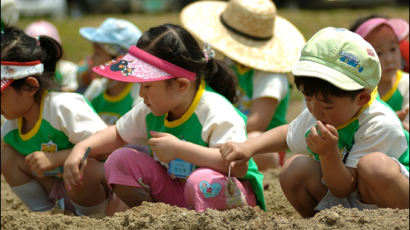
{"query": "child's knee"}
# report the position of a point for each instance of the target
(193, 181)
(196, 196)
(94, 170)
(8, 155)
(297, 168)
(118, 156)
(377, 168)
(207, 188)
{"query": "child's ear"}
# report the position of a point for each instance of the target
(363, 97)
(182, 85)
(33, 83)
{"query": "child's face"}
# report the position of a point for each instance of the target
(334, 111)
(15, 103)
(387, 47)
(100, 56)
(158, 96)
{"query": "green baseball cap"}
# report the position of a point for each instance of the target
(340, 57)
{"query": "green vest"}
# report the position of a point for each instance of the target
(110, 108)
(189, 128)
(245, 82)
(346, 138)
(393, 97)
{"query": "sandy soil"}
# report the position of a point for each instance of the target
(280, 215)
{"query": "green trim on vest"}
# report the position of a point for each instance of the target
(346, 139)
(45, 134)
(404, 158)
(191, 129)
(110, 110)
(245, 82)
(393, 97)
(395, 101)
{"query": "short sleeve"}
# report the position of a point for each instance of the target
(132, 126)
(69, 71)
(96, 87)
(295, 139)
(71, 113)
(378, 134)
(403, 87)
(274, 85)
(220, 121)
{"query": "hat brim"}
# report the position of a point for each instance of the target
(139, 66)
(278, 54)
(317, 70)
(138, 71)
(400, 27)
(5, 83)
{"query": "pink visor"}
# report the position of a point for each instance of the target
(140, 66)
(399, 26)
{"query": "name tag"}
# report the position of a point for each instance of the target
(51, 147)
(180, 169)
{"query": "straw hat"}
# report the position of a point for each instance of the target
(247, 31)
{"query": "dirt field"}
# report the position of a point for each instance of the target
(279, 215)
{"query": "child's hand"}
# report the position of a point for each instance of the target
(235, 152)
(402, 113)
(323, 139)
(39, 162)
(164, 145)
(72, 171)
(406, 125)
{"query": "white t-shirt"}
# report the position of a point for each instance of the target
(211, 120)
(379, 130)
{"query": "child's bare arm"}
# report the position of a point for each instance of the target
(273, 140)
(167, 148)
(323, 140)
(39, 161)
(101, 143)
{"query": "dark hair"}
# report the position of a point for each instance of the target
(176, 45)
(311, 86)
(362, 20)
(19, 47)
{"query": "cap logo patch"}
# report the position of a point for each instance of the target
(351, 60)
(370, 52)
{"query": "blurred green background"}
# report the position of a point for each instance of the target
(307, 21)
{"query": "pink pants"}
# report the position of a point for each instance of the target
(205, 188)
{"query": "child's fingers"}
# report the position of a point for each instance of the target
(224, 150)
(157, 134)
(152, 141)
(82, 167)
(29, 161)
(71, 177)
(332, 130)
(322, 130)
(228, 152)
(313, 132)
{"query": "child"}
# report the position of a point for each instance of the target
(111, 99)
(261, 57)
(360, 148)
(42, 127)
(183, 120)
(384, 35)
(401, 30)
(66, 71)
